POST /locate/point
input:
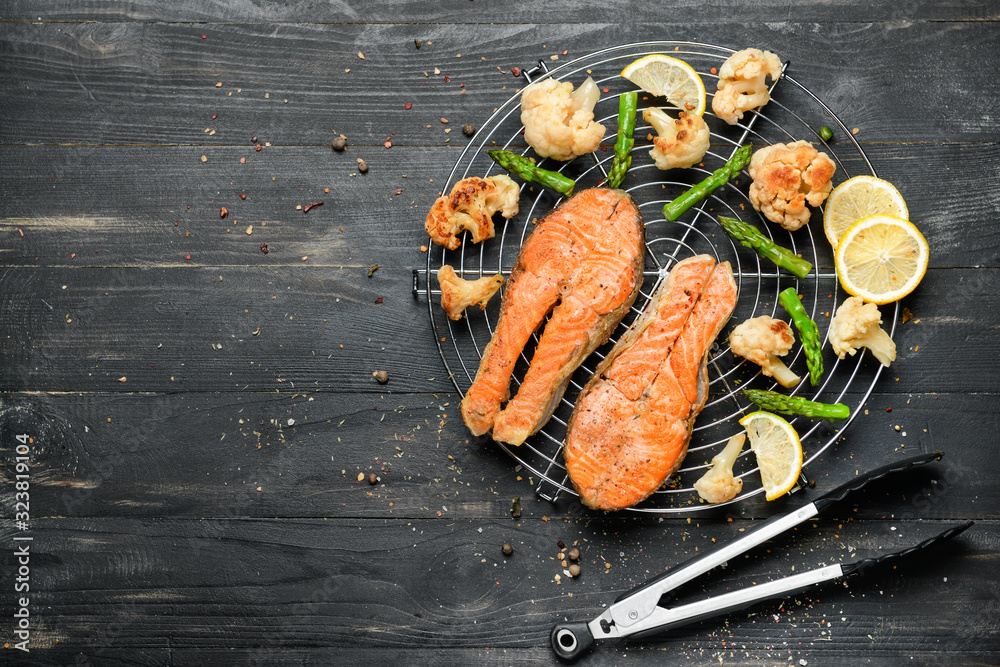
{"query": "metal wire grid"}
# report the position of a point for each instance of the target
(461, 343)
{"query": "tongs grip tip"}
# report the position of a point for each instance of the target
(862, 481)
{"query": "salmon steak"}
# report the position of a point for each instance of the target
(632, 422)
(583, 264)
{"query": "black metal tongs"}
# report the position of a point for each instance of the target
(638, 612)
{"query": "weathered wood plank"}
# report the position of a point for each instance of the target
(209, 343)
(636, 653)
(207, 454)
(124, 201)
(155, 83)
(108, 323)
(460, 11)
(443, 584)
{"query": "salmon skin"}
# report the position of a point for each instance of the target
(632, 422)
(583, 263)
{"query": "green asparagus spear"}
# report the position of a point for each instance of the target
(751, 237)
(808, 332)
(526, 169)
(627, 104)
(721, 176)
(772, 401)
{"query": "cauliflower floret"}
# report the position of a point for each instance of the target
(471, 206)
(786, 178)
(718, 484)
(458, 294)
(741, 83)
(680, 143)
(558, 121)
(856, 324)
(762, 340)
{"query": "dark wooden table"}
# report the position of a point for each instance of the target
(200, 413)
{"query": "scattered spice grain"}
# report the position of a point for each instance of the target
(507, 550)
(339, 143)
(381, 376)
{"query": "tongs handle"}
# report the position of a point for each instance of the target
(861, 565)
(861, 481)
(639, 602)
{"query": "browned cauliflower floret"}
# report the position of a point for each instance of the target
(718, 485)
(762, 340)
(458, 294)
(558, 121)
(786, 177)
(471, 206)
(856, 324)
(680, 143)
(741, 83)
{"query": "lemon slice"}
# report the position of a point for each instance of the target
(668, 77)
(881, 258)
(858, 198)
(778, 451)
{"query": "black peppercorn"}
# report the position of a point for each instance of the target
(507, 549)
(339, 143)
(362, 166)
(468, 129)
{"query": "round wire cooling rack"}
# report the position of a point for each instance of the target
(793, 113)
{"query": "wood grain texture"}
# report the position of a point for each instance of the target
(198, 430)
(463, 11)
(207, 454)
(123, 201)
(443, 584)
(109, 323)
(138, 83)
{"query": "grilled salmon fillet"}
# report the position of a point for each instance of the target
(583, 263)
(632, 422)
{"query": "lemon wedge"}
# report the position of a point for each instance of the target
(881, 258)
(858, 198)
(778, 450)
(669, 77)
